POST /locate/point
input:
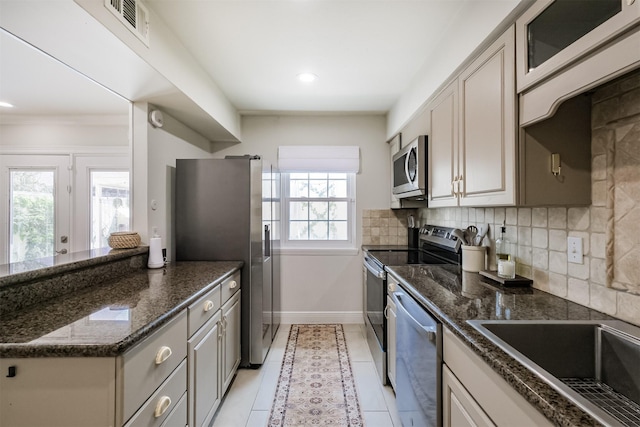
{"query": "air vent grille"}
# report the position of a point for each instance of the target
(133, 14)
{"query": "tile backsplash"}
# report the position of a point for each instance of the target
(385, 226)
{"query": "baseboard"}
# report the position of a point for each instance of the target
(291, 317)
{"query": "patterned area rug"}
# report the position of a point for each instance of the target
(316, 385)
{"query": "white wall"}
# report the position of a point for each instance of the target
(48, 136)
(165, 145)
(325, 287)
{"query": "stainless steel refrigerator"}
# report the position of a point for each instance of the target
(228, 209)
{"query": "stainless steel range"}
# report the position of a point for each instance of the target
(436, 246)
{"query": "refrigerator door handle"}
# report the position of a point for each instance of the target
(267, 241)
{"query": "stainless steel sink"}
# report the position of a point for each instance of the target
(596, 364)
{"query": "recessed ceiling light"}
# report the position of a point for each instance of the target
(307, 77)
(5, 104)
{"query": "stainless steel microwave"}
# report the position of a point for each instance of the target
(410, 170)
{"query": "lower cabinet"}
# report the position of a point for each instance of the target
(213, 350)
(390, 313)
(230, 340)
(204, 372)
(474, 395)
(458, 407)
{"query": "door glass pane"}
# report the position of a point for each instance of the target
(110, 205)
(31, 214)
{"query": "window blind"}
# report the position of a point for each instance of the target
(319, 158)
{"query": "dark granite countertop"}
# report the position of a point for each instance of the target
(37, 269)
(455, 296)
(107, 319)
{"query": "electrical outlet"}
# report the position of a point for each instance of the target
(574, 250)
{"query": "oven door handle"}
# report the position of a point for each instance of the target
(430, 331)
(374, 269)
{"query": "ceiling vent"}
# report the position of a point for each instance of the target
(133, 14)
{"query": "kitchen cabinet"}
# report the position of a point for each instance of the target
(472, 159)
(394, 147)
(459, 409)
(443, 148)
(214, 349)
(391, 316)
(475, 394)
(230, 340)
(551, 35)
(390, 313)
(204, 366)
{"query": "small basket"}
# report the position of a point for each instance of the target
(124, 240)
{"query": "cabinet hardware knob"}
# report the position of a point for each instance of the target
(161, 407)
(163, 354)
(208, 305)
(233, 284)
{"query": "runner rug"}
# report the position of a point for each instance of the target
(316, 385)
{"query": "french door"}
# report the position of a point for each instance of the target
(34, 206)
(54, 204)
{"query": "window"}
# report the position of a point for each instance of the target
(319, 209)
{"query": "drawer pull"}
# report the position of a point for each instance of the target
(233, 284)
(163, 354)
(208, 305)
(162, 406)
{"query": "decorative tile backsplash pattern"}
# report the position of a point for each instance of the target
(385, 227)
(609, 228)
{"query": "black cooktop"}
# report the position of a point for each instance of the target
(437, 246)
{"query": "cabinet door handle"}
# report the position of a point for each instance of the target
(161, 407)
(219, 322)
(208, 305)
(386, 312)
(163, 354)
(233, 284)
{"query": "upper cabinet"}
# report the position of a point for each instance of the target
(553, 34)
(394, 147)
(472, 160)
(557, 61)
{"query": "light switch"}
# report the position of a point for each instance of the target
(574, 250)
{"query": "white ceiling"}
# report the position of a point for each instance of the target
(364, 52)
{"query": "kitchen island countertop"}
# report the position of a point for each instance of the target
(106, 320)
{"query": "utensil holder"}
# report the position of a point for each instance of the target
(473, 258)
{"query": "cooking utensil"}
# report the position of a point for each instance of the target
(480, 238)
(470, 233)
(460, 235)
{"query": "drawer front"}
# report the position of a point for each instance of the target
(148, 364)
(230, 286)
(162, 403)
(204, 309)
(177, 417)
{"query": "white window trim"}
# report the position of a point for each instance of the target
(319, 247)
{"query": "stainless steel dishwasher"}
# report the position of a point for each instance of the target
(418, 363)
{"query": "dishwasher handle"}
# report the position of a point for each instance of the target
(430, 331)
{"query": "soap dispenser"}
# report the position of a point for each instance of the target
(156, 260)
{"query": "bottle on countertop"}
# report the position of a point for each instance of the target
(503, 246)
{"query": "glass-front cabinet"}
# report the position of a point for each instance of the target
(553, 34)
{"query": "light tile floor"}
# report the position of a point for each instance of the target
(248, 401)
